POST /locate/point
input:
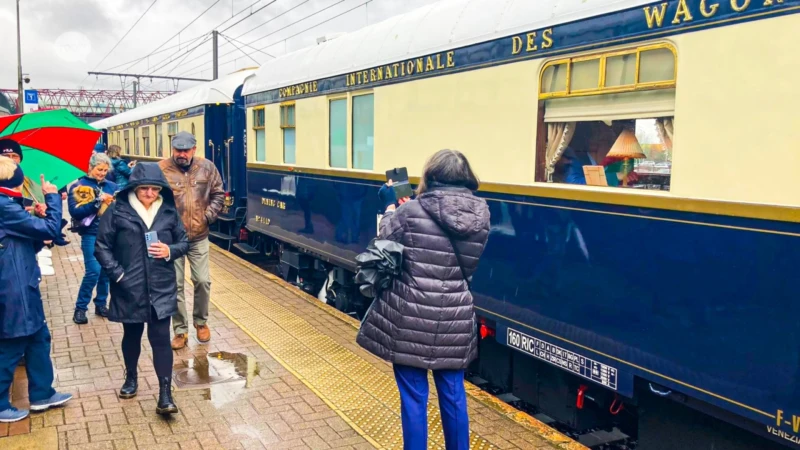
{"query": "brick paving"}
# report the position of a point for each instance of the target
(275, 409)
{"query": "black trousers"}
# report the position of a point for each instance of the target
(158, 335)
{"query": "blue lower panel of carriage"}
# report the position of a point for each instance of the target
(705, 305)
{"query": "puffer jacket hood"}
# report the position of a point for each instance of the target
(426, 318)
(148, 174)
(456, 210)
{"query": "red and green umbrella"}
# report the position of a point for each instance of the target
(54, 143)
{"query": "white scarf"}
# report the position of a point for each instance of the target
(147, 215)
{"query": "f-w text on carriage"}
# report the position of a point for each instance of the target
(417, 66)
(298, 89)
(656, 14)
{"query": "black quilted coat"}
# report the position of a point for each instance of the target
(426, 318)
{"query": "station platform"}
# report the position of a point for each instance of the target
(282, 370)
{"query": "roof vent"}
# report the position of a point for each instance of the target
(328, 37)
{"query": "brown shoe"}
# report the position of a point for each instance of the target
(203, 333)
(179, 341)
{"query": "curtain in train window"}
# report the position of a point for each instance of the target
(127, 135)
(338, 133)
(135, 141)
(258, 126)
(146, 140)
(289, 134)
(363, 131)
(172, 130)
(159, 141)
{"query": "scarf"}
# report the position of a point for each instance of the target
(147, 215)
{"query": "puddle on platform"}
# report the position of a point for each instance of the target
(222, 375)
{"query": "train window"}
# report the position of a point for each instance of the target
(635, 69)
(193, 134)
(159, 141)
(127, 142)
(258, 126)
(172, 130)
(135, 141)
(337, 133)
(289, 134)
(363, 131)
(146, 140)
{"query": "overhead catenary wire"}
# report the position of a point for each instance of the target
(296, 34)
(122, 38)
(251, 15)
(283, 28)
(237, 47)
(246, 45)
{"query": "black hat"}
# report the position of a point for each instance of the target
(7, 147)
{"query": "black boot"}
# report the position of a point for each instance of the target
(165, 404)
(130, 386)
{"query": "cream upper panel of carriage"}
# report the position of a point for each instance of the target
(444, 25)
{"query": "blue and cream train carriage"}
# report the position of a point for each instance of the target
(213, 112)
(656, 287)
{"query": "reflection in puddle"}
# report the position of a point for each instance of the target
(223, 375)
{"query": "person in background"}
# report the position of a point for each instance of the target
(23, 328)
(99, 148)
(197, 186)
(425, 320)
(143, 283)
(87, 199)
(11, 149)
(121, 169)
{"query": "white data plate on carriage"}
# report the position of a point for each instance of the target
(565, 359)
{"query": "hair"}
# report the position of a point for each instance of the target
(7, 168)
(97, 159)
(114, 151)
(449, 167)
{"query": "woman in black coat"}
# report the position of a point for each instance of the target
(425, 320)
(142, 277)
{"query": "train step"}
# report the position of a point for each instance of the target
(222, 236)
(245, 249)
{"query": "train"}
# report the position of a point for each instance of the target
(639, 279)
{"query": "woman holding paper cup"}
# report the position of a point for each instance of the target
(141, 272)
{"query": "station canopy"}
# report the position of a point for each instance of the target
(440, 26)
(211, 93)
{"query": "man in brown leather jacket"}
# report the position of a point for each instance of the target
(197, 186)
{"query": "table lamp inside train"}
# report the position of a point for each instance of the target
(625, 150)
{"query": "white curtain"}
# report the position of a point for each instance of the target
(665, 127)
(559, 135)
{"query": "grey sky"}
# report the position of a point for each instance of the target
(63, 39)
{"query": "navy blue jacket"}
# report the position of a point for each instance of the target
(81, 212)
(21, 237)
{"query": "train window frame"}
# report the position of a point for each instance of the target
(347, 147)
(146, 141)
(136, 141)
(171, 132)
(602, 87)
(259, 112)
(159, 140)
(126, 134)
(352, 129)
(288, 126)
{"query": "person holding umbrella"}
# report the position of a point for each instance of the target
(23, 329)
(143, 283)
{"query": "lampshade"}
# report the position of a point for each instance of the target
(626, 146)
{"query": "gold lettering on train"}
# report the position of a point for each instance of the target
(298, 89)
(769, 2)
(532, 47)
(532, 41)
(739, 8)
(655, 16)
(547, 38)
(779, 418)
(709, 13)
(682, 14)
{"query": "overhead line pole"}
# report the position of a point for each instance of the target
(215, 56)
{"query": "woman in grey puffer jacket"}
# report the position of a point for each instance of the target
(425, 321)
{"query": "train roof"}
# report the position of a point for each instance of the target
(210, 93)
(440, 26)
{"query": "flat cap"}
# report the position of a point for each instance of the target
(183, 141)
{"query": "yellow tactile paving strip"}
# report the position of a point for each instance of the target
(362, 394)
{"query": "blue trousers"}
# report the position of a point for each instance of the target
(94, 276)
(38, 365)
(413, 386)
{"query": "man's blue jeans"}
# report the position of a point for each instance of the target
(38, 365)
(94, 276)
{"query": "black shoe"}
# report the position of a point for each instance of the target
(80, 317)
(165, 404)
(130, 386)
(101, 311)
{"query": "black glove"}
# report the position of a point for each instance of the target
(386, 195)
